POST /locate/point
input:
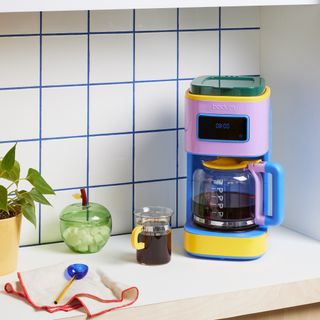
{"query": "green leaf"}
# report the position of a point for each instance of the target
(12, 175)
(24, 197)
(38, 182)
(37, 196)
(29, 212)
(8, 160)
(3, 198)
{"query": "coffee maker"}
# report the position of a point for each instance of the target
(228, 143)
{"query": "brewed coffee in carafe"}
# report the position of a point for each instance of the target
(223, 199)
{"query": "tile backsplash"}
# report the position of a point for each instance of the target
(95, 99)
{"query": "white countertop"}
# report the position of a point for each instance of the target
(291, 257)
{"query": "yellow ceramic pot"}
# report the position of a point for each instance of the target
(9, 243)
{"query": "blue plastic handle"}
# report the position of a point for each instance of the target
(277, 194)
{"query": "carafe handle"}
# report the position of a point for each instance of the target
(134, 238)
(277, 193)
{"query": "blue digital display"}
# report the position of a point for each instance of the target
(223, 128)
(224, 125)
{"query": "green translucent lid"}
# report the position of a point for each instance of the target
(228, 86)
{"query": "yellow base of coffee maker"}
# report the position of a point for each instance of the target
(247, 245)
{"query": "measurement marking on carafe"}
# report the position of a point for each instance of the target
(220, 213)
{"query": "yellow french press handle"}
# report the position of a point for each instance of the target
(134, 238)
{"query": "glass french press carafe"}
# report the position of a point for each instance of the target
(228, 194)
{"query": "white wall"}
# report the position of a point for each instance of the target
(290, 62)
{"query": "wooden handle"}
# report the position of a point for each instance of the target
(64, 290)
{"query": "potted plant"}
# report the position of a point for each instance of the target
(16, 202)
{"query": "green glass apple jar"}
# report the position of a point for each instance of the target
(85, 228)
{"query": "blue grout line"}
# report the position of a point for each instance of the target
(88, 109)
(110, 134)
(155, 80)
(40, 115)
(61, 241)
(157, 130)
(19, 140)
(109, 83)
(156, 180)
(19, 88)
(16, 35)
(59, 34)
(177, 124)
(64, 137)
(240, 29)
(119, 184)
(133, 111)
(219, 42)
(37, 244)
(64, 85)
(111, 32)
(100, 83)
(91, 135)
(218, 29)
(90, 84)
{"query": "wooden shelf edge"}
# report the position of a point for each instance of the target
(227, 305)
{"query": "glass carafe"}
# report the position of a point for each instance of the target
(228, 194)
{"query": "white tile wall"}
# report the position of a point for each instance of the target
(162, 193)
(111, 57)
(64, 162)
(19, 63)
(118, 200)
(65, 66)
(56, 22)
(243, 17)
(23, 105)
(240, 51)
(199, 53)
(17, 23)
(199, 18)
(155, 156)
(111, 108)
(156, 102)
(110, 159)
(161, 19)
(64, 111)
(97, 99)
(115, 20)
(156, 56)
